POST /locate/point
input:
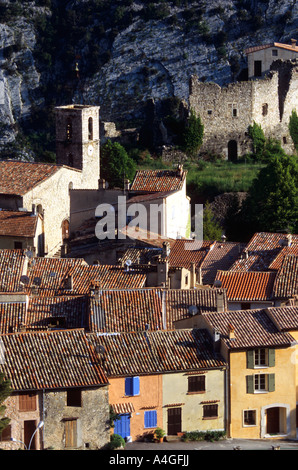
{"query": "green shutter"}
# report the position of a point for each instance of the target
(271, 382)
(250, 384)
(271, 357)
(250, 359)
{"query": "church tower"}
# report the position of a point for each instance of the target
(78, 140)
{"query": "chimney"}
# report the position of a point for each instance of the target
(289, 240)
(293, 41)
(231, 332)
(216, 339)
(193, 275)
(220, 302)
(101, 184)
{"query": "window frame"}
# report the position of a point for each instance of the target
(249, 425)
(210, 407)
(191, 386)
(74, 397)
(132, 386)
(253, 383)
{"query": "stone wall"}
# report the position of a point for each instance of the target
(92, 418)
(227, 112)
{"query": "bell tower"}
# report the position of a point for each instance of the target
(78, 140)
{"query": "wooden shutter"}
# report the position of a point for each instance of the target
(250, 359)
(136, 385)
(271, 382)
(27, 402)
(250, 384)
(132, 386)
(271, 357)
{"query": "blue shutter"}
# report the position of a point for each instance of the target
(136, 386)
(150, 419)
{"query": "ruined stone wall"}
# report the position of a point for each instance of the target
(227, 112)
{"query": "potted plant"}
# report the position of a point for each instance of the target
(159, 434)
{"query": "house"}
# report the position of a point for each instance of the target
(128, 310)
(168, 379)
(261, 383)
(260, 58)
(13, 265)
(265, 251)
(44, 187)
(21, 230)
(57, 381)
(247, 290)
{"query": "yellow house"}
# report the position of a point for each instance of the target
(261, 379)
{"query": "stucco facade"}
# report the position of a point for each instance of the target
(176, 394)
(281, 400)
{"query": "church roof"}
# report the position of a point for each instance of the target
(151, 181)
(17, 178)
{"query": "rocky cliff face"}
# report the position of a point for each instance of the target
(121, 54)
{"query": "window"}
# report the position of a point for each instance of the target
(261, 357)
(6, 434)
(27, 402)
(209, 112)
(250, 418)
(74, 397)
(132, 386)
(274, 52)
(260, 383)
(258, 68)
(90, 128)
(196, 384)
(18, 245)
(69, 130)
(150, 419)
(234, 111)
(210, 411)
(245, 306)
(265, 109)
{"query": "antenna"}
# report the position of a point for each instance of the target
(192, 310)
(25, 280)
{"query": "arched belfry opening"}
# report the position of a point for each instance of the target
(232, 150)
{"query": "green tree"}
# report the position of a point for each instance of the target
(211, 228)
(5, 391)
(258, 138)
(116, 165)
(272, 202)
(193, 134)
(293, 128)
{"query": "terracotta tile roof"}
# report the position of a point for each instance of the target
(155, 352)
(19, 177)
(150, 181)
(263, 249)
(17, 224)
(51, 360)
(285, 318)
(252, 328)
(43, 311)
(247, 286)
(133, 309)
(182, 256)
(12, 316)
(286, 282)
(287, 250)
(12, 266)
(140, 255)
(56, 276)
(279, 45)
(220, 256)
(145, 236)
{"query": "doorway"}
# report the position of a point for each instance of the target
(65, 229)
(122, 425)
(29, 428)
(273, 417)
(232, 150)
(174, 421)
